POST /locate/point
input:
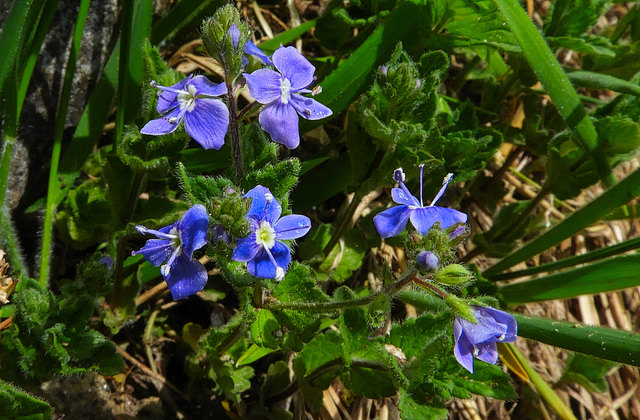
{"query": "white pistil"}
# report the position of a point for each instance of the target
(266, 235)
(187, 99)
(176, 245)
(285, 90)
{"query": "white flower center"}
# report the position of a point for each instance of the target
(187, 99)
(176, 245)
(285, 90)
(265, 235)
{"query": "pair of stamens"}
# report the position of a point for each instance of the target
(400, 177)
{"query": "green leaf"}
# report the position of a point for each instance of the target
(489, 381)
(17, 404)
(263, 329)
(614, 197)
(570, 17)
(479, 23)
(611, 274)
(410, 409)
(276, 380)
(252, 354)
(317, 365)
(279, 178)
(588, 371)
(605, 343)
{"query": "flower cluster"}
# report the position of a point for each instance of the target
(206, 118)
(266, 256)
(173, 250)
(393, 221)
(479, 340)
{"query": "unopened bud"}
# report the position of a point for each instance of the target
(460, 230)
(383, 70)
(460, 308)
(427, 261)
(453, 275)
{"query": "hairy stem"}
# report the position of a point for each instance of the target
(234, 130)
(332, 306)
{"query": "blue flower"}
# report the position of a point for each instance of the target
(479, 340)
(393, 221)
(184, 275)
(250, 48)
(280, 92)
(206, 118)
(266, 256)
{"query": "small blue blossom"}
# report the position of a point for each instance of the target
(393, 221)
(479, 340)
(184, 275)
(281, 92)
(206, 118)
(266, 256)
(250, 48)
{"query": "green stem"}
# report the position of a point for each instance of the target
(148, 337)
(344, 223)
(52, 189)
(233, 336)
(126, 21)
(333, 306)
(545, 391)
(234, 130)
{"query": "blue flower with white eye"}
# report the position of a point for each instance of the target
(173, 250)
(479, 340)
(266, 256)
(393, 221)
(281, 92)
(193, 100)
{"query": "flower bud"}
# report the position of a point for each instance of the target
(460, 308)
(453, 275)
(427, 261)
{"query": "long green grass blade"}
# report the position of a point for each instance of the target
(598, 254)
(593, 80)
(135, 14)
(16, 28)
(61, 116)
(614, 345)
(614, 197)
(556, 83)
(546, 392)
(286, 37)
(612, 274)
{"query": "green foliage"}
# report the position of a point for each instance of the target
(51, 334)
(17, 404)
(279, 178)
(343, 260)
(588, 371)
(570, 170)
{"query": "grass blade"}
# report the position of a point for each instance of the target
(546, 392)
(612, 274)
(614, 197)
(609, 251)
(135, 14)
(186, 14)
(605, 343)
(61, 116)
(556, 83)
